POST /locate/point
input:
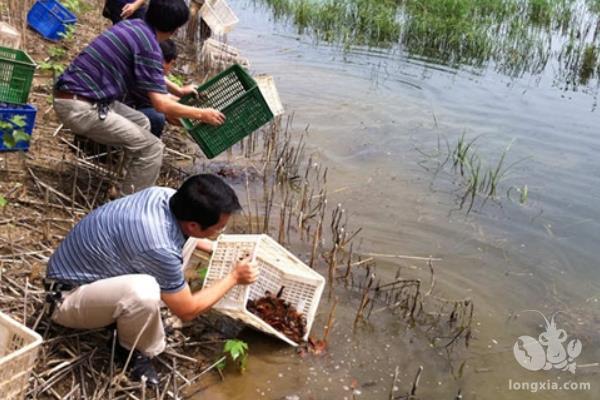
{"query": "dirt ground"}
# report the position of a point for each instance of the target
(49, 189)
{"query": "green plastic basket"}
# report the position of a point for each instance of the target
(235, 94)
(16, 74)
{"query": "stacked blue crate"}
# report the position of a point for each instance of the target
(50, 19)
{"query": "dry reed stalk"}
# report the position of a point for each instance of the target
(330, 321)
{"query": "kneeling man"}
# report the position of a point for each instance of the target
(122, 259)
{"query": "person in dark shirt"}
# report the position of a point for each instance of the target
(118, 10)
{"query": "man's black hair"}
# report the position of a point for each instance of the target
(167, 15)
(202, 199)
(169, 50)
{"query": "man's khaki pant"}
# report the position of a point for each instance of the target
(131, 301)
(123, 126)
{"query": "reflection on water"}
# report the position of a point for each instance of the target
(514, 37)
(368, 111)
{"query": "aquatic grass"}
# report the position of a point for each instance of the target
(460, 154)
(589, 64)
(480, 179)
(350, 22)
(516, 37)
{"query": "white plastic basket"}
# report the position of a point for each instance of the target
(278, 267)
(218, 16)
(218, 56)
(267, 87)
(18, 351)
(211, 45)
(9, 36)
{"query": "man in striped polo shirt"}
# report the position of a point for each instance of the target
(126, 57)
(122, 259)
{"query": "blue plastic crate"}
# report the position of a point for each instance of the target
(50, 18)
(7, 112)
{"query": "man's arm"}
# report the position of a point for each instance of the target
(162, 103)
(179, 91)
(187, 305)
(130, 8)
(205, 245)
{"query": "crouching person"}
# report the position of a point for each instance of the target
(126, 57)
(122, 259)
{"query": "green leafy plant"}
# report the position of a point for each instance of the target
(56, 52)
(202, 271)
(176, 79)
(69, 34)
(54, 67)
(237, 351)
(13, 132)
(72, 5)
(54, 62)
(77, 6)
(3, 201)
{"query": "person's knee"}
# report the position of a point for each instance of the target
(144, 292)
(144, 122)
(155, 151)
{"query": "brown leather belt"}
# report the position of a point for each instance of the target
(59, 94)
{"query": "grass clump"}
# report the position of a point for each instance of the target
(516, 37)
(481, 179)
(351, 22)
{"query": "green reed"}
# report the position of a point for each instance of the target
(479, 178)
(514, 36)
(370, 22)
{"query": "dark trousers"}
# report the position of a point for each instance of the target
(157, 120)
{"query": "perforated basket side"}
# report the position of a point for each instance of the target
(19, 347)
(270, 93)
(218, 16)
(227, 252)
(220, 91)
(303, 285)
(213, 44)
(236, 94)
(278, 267)
(9, 36)
(16, 75)
(243, 117)
(220, 62)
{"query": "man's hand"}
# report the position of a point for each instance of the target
(187, 89)
(131, 8)
(212, 116)
(245, 272)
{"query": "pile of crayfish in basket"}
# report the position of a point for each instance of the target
(280, 315)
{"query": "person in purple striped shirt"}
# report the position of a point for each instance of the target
(126, 57)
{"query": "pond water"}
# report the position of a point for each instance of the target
(375, 118)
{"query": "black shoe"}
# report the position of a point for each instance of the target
(139, 365)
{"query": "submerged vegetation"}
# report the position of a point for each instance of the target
(478, 178)
(515, 37)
